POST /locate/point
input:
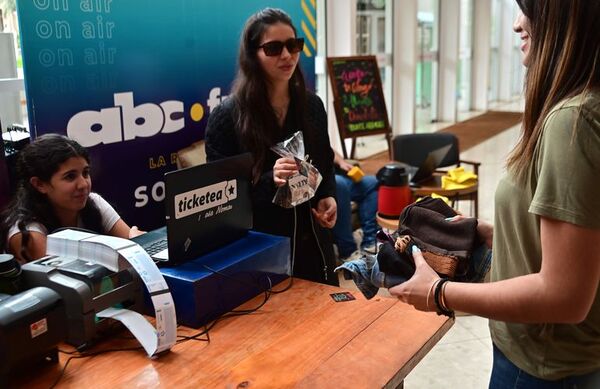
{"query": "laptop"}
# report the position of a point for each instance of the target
(430, 164)
(206, 207)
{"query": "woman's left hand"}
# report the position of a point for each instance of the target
(418, 290)
(326, 212)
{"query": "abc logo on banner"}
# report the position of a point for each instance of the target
(125, 121)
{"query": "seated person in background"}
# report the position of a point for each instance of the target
(364, 193)
(54, 191)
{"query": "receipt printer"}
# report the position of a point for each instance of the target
(32, 324)
(86, 289)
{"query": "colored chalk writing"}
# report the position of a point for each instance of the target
(359, 102)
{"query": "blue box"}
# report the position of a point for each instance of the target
(216, 283)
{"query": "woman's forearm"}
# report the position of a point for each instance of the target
(525, 299)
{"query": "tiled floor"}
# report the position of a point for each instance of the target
(463, 358)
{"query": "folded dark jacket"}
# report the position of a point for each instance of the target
(425, 220)
(451, 248)
(392, 262)
(446, 246)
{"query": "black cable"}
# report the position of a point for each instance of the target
(286, 288)
(62, 372)
(292, 257)
(77, 355)
(184, 338)
(267, 293)
(312, 225)
(238, 280)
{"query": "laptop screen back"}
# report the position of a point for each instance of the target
(207, 206)
(432, 162)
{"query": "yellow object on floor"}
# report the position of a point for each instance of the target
(458, 178)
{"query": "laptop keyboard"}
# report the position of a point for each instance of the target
(156, 247)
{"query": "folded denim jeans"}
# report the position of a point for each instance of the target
(366, 275)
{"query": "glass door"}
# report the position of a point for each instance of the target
(465, 54)
(517, 68)
(495, 33)
(427, 62)
(374, 37)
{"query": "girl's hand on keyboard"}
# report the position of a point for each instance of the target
(134, 231)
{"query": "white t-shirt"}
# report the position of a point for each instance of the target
(108, 217)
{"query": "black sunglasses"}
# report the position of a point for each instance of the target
(273, 48)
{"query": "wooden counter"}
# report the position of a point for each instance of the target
(300, 338)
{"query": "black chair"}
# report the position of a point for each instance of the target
(412, 149)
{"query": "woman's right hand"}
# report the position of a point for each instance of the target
(283, 169)
(485, 230)
(418, 290)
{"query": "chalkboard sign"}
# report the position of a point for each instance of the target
(358, 98)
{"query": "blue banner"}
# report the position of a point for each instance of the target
(134, 81)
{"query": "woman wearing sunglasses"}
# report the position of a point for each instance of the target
(267, 105)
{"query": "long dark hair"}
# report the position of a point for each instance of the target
(42, 158)
(256, 118)
(564, 61)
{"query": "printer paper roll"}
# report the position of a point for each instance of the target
(137, 325)
(164, 307)
(107, 251)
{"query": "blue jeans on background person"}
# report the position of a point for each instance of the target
(364, 193)
(506, 375)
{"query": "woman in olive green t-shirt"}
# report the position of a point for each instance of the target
(543, 301)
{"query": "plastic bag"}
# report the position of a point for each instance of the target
(302, 186)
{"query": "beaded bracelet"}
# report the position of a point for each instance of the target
(438, 298)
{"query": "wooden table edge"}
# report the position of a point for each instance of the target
(398, 379)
